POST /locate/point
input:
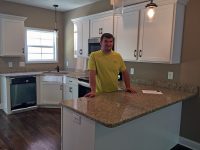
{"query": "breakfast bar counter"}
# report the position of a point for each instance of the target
(119, 120)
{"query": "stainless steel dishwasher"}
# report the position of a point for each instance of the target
(22, 92)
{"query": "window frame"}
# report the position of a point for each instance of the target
(55, 47)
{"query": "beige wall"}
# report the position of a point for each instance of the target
(186, 72)
(37, 18)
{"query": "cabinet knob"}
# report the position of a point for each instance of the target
(81, 51)
(135, 53)
(100, 30)
(140, 53)
(70, 89)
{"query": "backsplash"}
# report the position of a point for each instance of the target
(4, 65)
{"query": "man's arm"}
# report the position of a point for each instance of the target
(92, 79)
(126, 79)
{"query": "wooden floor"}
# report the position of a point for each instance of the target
(37, 129)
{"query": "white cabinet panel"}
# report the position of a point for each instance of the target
(78, 132)
(101, 25)
(51, 89)
(70, 90)
(51, 93)
(12, 35)
(158, 41)
(126, 35)
(82, 37)
(156, 36)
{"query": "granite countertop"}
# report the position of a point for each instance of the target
(20, 74)
(116, 108)
(70, 73)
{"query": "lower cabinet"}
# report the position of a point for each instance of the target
(70, 88)
(51, 89)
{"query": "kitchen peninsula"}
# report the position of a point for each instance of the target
(120, 120)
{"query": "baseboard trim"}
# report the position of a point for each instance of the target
(189, 143)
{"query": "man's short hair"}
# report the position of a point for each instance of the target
(107, 35)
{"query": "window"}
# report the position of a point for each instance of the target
(41, 46)
(75, 40)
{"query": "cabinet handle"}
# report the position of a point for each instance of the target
(100, 30)
(23, 50)
(135, 53)
(70, 89)
(81, 51)
(61, 87)
(140, 53)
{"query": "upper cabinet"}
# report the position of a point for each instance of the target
(158, 41)
(81, 36)
(126, 34)
(101, 24)
(138, 39)
(12, 35)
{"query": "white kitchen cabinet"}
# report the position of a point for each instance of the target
(158, 41)
(70, 90)
(155, 43)
(12, 35)
(82, 36)
(100, 25)
(126, 34)
(51, 90)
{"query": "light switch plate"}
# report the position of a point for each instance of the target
(132, 71)
(10, 64)
(170, 75)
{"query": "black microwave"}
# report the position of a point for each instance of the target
(93, 45)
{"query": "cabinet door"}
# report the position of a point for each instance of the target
(126, 35)
(51, 93)
(70, 92)
(74, 91)
(67, 92)
(82, 38)
(101, 25)
(156, 36)
(13, 37)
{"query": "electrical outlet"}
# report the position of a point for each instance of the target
(132, 71)
(10, 64)
(22, 64)
(170, 75)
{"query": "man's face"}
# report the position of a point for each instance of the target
(106, 44)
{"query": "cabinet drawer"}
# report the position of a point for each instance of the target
(68, 80)
(58, 79)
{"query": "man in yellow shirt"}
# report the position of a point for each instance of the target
(104, 66)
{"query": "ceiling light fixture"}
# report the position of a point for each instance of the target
(151, 10)
(55, 16)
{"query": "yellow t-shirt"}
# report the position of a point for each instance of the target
(107, 67)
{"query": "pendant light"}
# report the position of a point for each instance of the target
(55, 16)
(151, 10)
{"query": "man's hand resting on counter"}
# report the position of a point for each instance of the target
(130, 90)
(90, 94)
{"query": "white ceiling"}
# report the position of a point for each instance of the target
(64, 5)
